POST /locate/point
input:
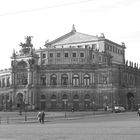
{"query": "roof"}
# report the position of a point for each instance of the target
(73, 37)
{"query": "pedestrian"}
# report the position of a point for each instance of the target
(72, 109)
(39, 116)
(42, 116)
(138, 113)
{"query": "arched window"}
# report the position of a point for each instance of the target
(64, 96)
(64, 79)
(53, 80)
(43, 80)
(86, 80)
(43, 97)
(87, 97)
(22, 64)
(53, 97)
(76, 97)
(75, 80)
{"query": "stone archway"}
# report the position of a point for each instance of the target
(53, 102)
(76, 102)
(19, 99)
(130, 101)
(64, 102)
(43, 102)
(87, 101)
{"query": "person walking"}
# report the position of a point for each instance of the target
(138, 113)
(42, 116)
(39, 116)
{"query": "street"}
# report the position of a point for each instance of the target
(114, 126)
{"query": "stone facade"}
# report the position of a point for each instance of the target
(76, 70)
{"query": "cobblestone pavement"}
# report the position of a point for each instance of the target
(124, 126)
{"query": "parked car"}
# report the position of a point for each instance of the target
(118, 109)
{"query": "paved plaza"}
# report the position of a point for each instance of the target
(121, 126)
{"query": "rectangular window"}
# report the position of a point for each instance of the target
(81, 54)
(111, 48)
(51, 54)
(73, 54)
(105, 59)
(44, 55)
(100, 59)
(86, 46)
(93, 46)
(66, 54)
(58, 55)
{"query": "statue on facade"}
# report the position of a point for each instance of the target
(27, 43)
(27, 46)
(126, 62)
(31, 62)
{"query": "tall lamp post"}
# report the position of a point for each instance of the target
(25, 109)
(93, 102)
(65, 104)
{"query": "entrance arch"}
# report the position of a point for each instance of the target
(87, 102)
(53, 102)
(43, 102)
(19, 99)
(64, 102)
(130, 101)
(76, 102)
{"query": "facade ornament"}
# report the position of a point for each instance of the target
(27, 43)
(123, 44)
(31, 62)
(14, 53)
(130, 63)
(46, 43)
(73, 28)
(102, 35)
(27, 46)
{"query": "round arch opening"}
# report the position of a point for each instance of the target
(130, 101)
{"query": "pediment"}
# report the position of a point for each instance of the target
(72, 38)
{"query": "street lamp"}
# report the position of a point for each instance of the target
(25, 109)
(93, 107)
(65, 103)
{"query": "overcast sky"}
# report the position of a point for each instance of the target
(119, 20)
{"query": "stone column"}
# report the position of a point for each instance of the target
(30, 77)
(13, 78)
(59, 78)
